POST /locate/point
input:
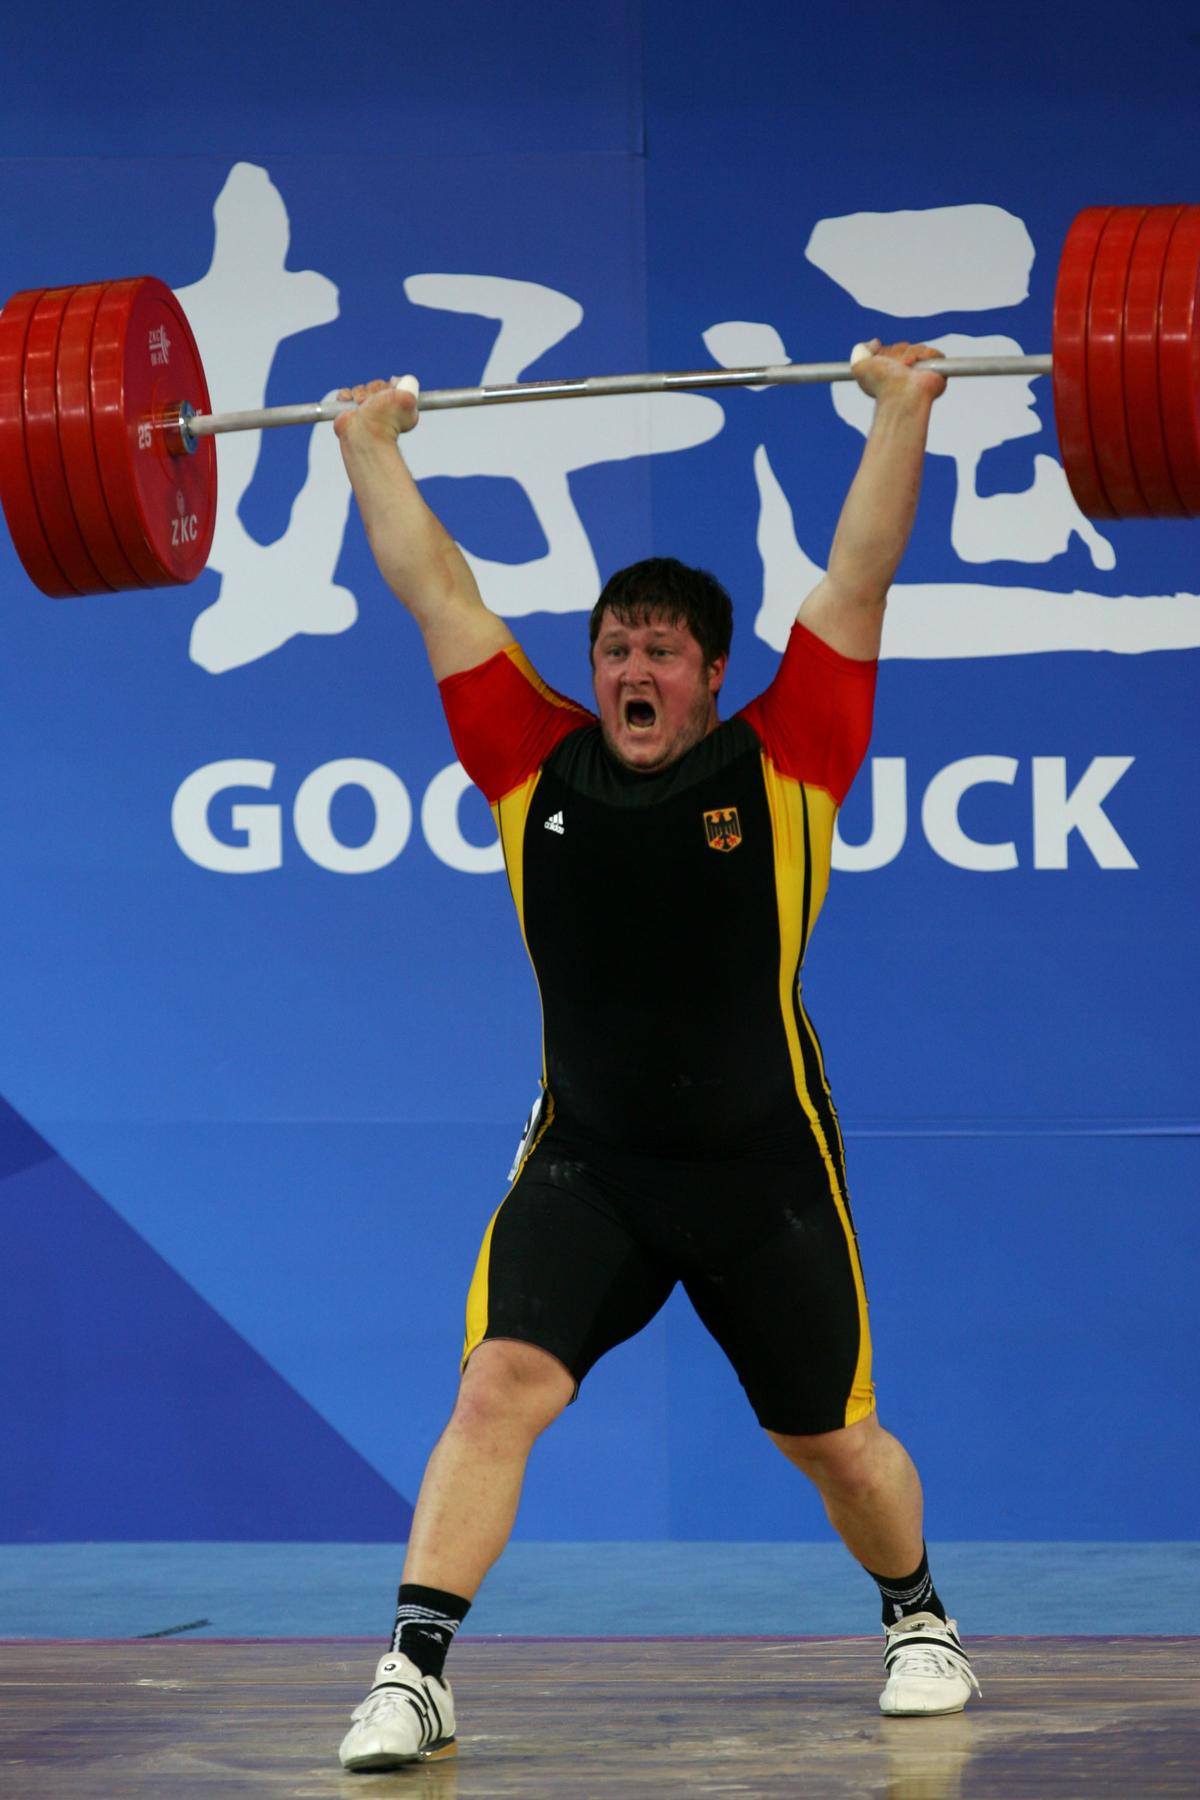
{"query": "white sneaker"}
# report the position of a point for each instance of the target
(407, 1717)
(927, 1667)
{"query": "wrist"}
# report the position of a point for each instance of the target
(901, 420)
(905, 399)
(366, 446)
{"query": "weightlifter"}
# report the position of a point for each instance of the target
(652, 850)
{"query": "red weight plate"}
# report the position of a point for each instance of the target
(144, 365)
(1105, 361)
(16, 487)
(109, 432)
(1071, 295)
(1143, 412)
(42, 446)
(74, 402)
(1179, 358)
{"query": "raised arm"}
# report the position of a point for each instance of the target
(416, 555)
(846, 608)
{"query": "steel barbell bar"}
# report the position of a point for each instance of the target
(198, 425)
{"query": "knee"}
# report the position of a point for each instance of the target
(843, 1459)
(512, 1387)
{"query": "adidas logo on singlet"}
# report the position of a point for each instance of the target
(555, 823)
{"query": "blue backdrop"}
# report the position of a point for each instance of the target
(267, 1031)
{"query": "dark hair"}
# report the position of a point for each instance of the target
(662, 588)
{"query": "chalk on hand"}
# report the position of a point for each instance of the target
(408, 383)
(860, 353)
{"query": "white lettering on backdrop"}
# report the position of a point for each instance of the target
(911, 263)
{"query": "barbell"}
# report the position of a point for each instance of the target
(108, 466)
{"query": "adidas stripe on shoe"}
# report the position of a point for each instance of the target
(927, 1668)
(407, 1717)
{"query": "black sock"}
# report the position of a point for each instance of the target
(426, 1621)
(903, 1595)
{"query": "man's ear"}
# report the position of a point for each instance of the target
(716, 673)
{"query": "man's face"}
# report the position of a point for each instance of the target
(655, 693)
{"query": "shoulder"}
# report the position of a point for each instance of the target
(814, 720)
(505, 720)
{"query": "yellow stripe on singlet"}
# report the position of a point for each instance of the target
(510, 815)
(518, 658)
(802, 829)
(477, 1293)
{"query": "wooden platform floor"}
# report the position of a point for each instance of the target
(1084, 1718)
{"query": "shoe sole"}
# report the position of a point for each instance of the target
(386, 1759)
(923, 1712)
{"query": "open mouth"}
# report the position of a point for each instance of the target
(640, 715)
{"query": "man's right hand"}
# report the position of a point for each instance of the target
(385, 409)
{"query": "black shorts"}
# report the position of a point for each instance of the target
(586, 1247)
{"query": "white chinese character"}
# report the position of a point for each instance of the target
(271, 593)
(919, 264)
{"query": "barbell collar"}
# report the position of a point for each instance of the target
(196, 425)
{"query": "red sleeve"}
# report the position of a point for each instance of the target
(814, 721)
(505, 721)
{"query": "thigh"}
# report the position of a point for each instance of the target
(779, 1284)
(562, 1267)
